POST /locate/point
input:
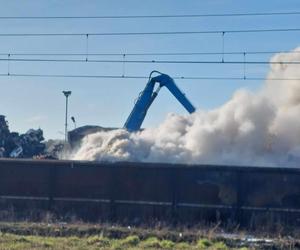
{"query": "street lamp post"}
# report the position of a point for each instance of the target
(67, 94)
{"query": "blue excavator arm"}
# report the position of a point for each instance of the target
(148, 95)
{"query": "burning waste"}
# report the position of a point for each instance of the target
(261, 128)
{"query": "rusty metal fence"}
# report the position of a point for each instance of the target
(144, 192)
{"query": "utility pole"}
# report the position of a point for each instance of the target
(67, 94)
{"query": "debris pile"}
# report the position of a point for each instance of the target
(54, 150)
(75, 136)
(15, 145)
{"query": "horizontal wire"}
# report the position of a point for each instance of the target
(147, 77)
(156, 16)
(152, 33)
(145, 61)
(153, 53)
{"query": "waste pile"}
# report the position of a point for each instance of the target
(15, 145)
(75, 136)
(55, 149)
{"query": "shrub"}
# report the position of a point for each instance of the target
(203, 244)
(99, 241)
(151, 242)
(220, 246)
(22, 239)
(132, 240)
(167, 244)
(183, 245)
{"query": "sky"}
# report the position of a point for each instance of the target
(31, 102)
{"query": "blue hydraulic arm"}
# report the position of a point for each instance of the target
(147, 96)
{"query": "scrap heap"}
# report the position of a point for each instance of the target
(17, 145)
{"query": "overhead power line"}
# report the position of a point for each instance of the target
(198, 15)
(147, 77)
(152, 53)
(151, 33)
(145, 61)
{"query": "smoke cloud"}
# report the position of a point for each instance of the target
(261, 128)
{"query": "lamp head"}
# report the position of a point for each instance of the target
(67, 93)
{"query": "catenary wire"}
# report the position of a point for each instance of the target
(86, 60)
(146, 77)
(197, 15)
(152, 53)
(150, 33)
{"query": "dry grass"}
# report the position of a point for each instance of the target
(20, 242)
(26, 235)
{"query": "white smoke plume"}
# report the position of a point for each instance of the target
(260, 128)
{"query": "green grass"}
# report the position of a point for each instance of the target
(45, 236)
(204, 244)
(132, 242)
(151, 242)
